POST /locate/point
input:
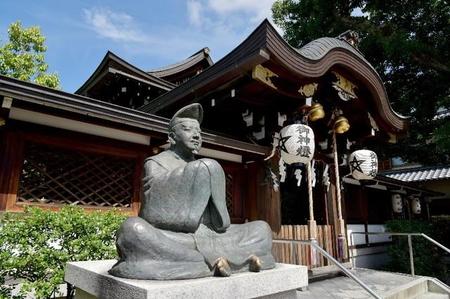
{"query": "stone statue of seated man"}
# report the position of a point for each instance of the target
(183, 229)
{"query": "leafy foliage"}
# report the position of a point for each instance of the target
(427, 257)
(36, 245)
(23, 56)
(408, 44)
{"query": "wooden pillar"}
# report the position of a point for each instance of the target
(264, 203)
(11, 159)
(340, 228)
(312, 227)
(250, 201)
(137, 185)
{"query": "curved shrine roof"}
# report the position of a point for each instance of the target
(311, 61)
(199, 57)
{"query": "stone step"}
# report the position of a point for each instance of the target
(386, 284)
(326, 272)
(432, 295)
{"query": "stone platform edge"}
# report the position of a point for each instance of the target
(92, 277)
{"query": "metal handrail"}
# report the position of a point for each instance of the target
(314, 245)
(410, 248)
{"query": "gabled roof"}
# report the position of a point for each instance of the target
(31, 93)
(113, 63)
(199, 57)
(420, 174)
(311, 61)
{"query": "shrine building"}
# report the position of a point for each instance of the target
(87, 148)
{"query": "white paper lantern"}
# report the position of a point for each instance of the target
(296, 144)
(397, 203)
(415, 206)
(363, 164)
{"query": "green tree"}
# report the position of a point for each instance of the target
(23, 56)
(407, 42)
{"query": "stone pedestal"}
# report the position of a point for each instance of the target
(93, 281)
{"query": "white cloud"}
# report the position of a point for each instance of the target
(194, 9)
(257, 9)
(239, 16)
(216, 24)
(116, 26)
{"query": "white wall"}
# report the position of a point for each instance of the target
(365, 254)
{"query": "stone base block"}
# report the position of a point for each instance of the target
(93, 281)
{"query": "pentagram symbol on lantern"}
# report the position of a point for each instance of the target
(356, 164)
(283, 141)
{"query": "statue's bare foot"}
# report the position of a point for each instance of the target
(221, 267)
(254, 263)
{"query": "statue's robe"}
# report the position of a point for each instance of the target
(184, 226)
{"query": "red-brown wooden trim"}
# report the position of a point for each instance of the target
(79, 145)
(137, 185)
(11, 160)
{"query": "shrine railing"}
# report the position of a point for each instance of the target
(410, 247)
(316, 249)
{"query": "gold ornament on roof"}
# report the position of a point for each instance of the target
(316, 112)
(264, 75)
(344, 87)
(341, 125)
(308, 90)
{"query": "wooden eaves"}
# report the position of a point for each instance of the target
(394, 184)
(199, 57)
(111, 63)
(129, 119)
(311, 61)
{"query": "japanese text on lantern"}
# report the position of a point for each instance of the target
(303, 141)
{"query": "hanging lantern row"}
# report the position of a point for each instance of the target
(397, 204)
(297, 145)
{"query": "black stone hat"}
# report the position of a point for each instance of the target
(194, 111)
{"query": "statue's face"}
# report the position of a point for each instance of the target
(186, 135)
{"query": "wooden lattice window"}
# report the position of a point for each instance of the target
(52, 175)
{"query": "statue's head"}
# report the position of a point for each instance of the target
(184, 129)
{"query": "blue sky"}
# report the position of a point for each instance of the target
(148, 34)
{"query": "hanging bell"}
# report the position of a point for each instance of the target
(316, 112)
(341, 125)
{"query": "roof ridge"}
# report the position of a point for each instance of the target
(419, 168)
(202, 52)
